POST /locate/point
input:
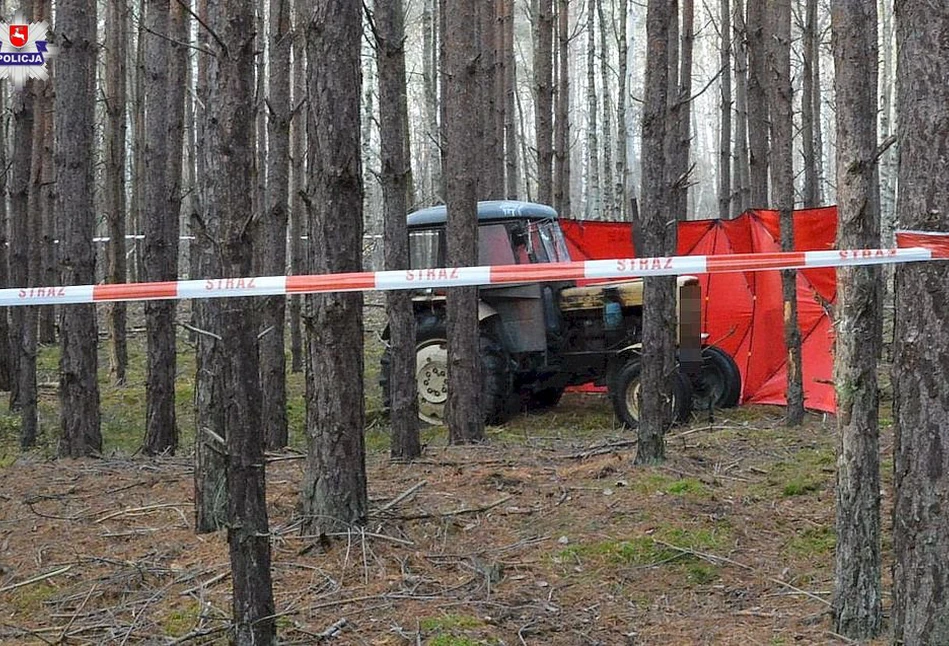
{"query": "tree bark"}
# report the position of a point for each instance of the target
(622, 135)
(778, 56)
(543, 97)
(682, 115)
(658, 228)
(75, 209)
(229, 160)
(334, 491)
(725, 135)
(460, 90)
(272, 255)
(608, 206)
(210, 471)
(161, 234)
(758, 117)
(21, 249)
(888, 161)
(593, 207)
(810, 58)
(511, 173)
(403, 410)
(7, 345)
(562, 123)
(298, 182)
(857, 604)
(432, 155)
(741, 171)
(114, 202)
(921, 391)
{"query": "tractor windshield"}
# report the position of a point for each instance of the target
(548, 242)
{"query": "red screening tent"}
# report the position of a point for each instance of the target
(742, 312)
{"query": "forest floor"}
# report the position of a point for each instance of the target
(547, 534)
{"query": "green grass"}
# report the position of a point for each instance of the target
(687, 486)
(812, 542)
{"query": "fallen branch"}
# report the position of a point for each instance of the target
(208, 583)
(333, 630)
(402, 496)
(36, 579)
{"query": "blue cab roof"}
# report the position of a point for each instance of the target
(487, 211)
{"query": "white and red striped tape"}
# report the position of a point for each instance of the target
(913, 246)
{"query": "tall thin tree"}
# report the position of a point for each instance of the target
(229, 160)
(778, 56)
(390, 53)
(741, 171)
(592, 201)
(7, 347)
(512, 177)
(160, 260)
(607, 203)
(810, 56)
(272, 253)
(622, 162)
(562, 120)
(298, 180)
(75, 210)
(680, 153)
(543, 97)
(758, 152)
(921, 389)
(725, 134)
(334, 490)
(113, 194)
(460, 88)
(858, 610)
(659, 238)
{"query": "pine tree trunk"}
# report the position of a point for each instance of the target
(403, 410)
(460, 90)
(659, 239)
(137, 113)
(75, 209)
(857, 604)
(778, 37)
(334, 493)
(682, 114)
(37, 215)
(161, 234)
(298, 182)
(593, 206)
(116, 53)
(543, 97)
(7, 345)
(725, 135)
(45, 227)
(608, 203)
(210, 470)
(758, 117)
(622, 163)
(562, 122)
(229, 158)
(921, 392)
(272, 256)
(21, 247)
(491, 184)
(511, 173)
(741, 177)
(888, 161)
(810, 58)
(433, 169)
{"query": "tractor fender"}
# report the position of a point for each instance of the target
(485, 312)
(619, 359)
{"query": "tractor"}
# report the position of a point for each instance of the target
(538, 339)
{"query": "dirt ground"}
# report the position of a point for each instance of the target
(548, 534)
